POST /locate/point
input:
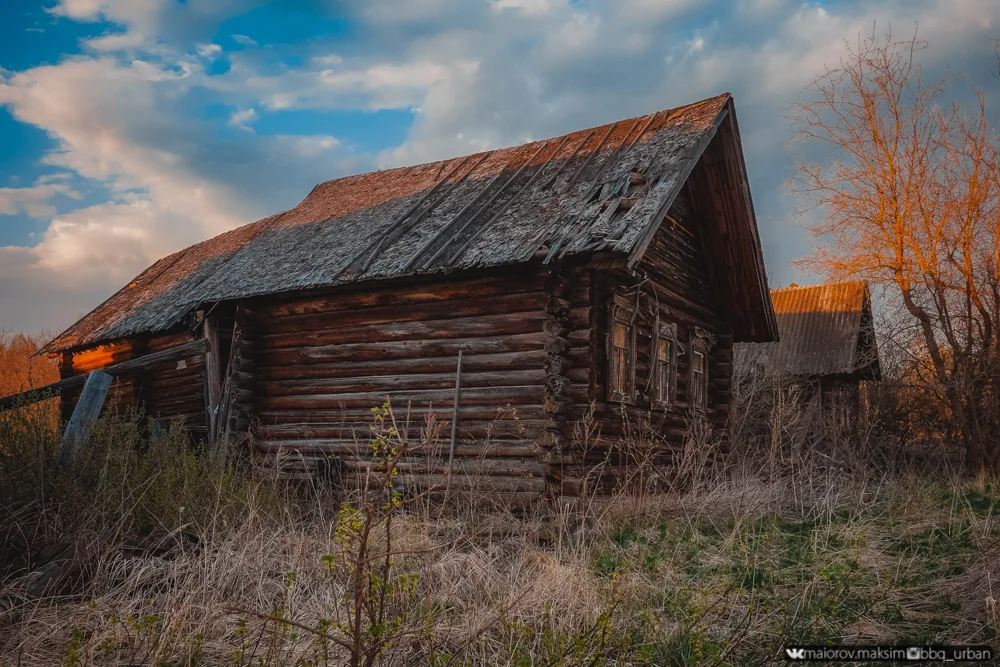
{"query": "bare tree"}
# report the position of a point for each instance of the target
(903, 189)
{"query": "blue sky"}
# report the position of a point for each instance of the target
(132, 128)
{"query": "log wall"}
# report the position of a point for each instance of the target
(323, 363)
(672, 280)
(307, 369)
(172, 390)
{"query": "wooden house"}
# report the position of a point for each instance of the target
(827, 348)
(613, 266)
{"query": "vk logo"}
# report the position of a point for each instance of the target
(795, 653)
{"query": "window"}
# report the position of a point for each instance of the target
(621, 351)
(701, 342)
(699, 395)
(664, 366)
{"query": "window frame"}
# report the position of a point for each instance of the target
(701, 345)
(621, 311)
(664, 333)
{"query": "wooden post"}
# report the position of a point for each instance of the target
(454, 413)
(224, 419)
(95, 389)
(213, 377)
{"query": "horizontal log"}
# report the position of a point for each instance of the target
(487, 325)
(511, 448)
(192, 421)
(243, 395)
(470, 363)
(242, 378)
(161, 342)
(467, 428)
(244, 364)
(172, 384)
(438, 466)
(193, 366)
(84, 362)
(193, 348)
(385, 383)
(179, 405)
(724, 369)
(462, 482)
(402, 349)
(418, 412)
(396, 294)
(452, 309)
(495, 396)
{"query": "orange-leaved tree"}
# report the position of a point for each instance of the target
(20, 367)
(903, 188)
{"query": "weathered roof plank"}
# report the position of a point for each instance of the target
(825, 330)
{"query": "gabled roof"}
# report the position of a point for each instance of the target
(567, 195)
(824, 330)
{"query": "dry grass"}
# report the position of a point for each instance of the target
(181, 562)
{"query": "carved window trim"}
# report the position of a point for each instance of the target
(663, 366)
(621, 349)
(701, 345)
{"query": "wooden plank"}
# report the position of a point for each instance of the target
(95, 390)
(454, 411)
(213, 377)
(191, 349)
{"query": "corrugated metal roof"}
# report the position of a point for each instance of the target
(822, 331)
(489, 209)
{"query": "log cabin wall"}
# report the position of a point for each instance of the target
(324, 361)
(672, 281)
(81, 362)
(173, 390)
(176, 389)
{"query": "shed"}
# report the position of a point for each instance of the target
(612, 267)
(827, 345)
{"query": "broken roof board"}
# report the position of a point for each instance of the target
(489, 209)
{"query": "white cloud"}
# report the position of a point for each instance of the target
(35, 201)
(405, 11)
(209, 50)
(646, 11)
(243, 118)
(152, 22)
(172, 181)
(121, 41)
(476, 75)
(309, 146)
(527, 7)
(244, 40)
(336, 83)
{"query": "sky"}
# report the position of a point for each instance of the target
(130, 129)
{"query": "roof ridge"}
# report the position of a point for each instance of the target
(672, 111)
(793, 286)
